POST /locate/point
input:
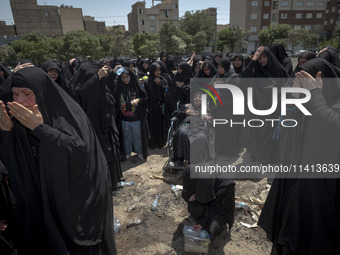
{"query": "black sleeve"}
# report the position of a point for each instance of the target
(320, 109)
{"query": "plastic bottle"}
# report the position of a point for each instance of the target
(174, 189)
(123, 184)
(134, 223)
(120, 71)
(189, 231)
(242, 205)
(154, 204)
(116, 225)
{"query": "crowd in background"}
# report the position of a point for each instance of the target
(66, 128)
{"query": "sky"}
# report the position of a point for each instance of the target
(114, 12)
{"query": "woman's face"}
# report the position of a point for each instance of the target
(2, 73)
(53, 73)
(24, 96)
(126, 78)
(145, 65)
(263, 60)
(163, 59)
(302, 61)
(198, 99)
(237, 62)
(179, 70)
(132, 68)
(197, 68)
(217, 58)
(158, 72)
(220, 70)
(206, 71)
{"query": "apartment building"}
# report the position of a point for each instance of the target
(316, 16)
(50, 20)
(150, 20)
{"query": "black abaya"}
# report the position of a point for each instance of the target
(302, 215)
(62, 193)
(261, 142)
(94, 96)
(156, 93)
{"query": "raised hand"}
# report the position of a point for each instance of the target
(5, 121)
(28, 118)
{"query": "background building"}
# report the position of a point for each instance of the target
(50, 20)
(150, 20)
(316, 16)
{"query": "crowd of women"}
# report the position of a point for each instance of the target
(65, 128)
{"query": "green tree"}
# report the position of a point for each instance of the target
(232, 38)
(150, 48)
(180, 47)
(7, 54)
(127, 47)
(194, 22)
(81, 43)
(166, 40)
(188, 39)
(275, 33)
(310, 41)
(200, 41)
(140, 40)
(37, 47)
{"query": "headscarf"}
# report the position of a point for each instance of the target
(307, 55)
(206, 64)
(141, 70)
(6, 71)
(331, 87)
(185, 75)
(70, 199)
(273, 69)
(331, 55)
(238, 70)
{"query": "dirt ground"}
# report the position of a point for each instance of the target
(161, 231)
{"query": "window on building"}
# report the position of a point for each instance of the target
(152, 17)
(175, 16)
(319, 15)
(298, 15)
(299, 3)
(254, 3)
(284, 15)
(308, 27)
(331, 21)
(321, 3)
(275, 5)
(309, 15)
(47, 14)
(266, 3)
(274, 17)
(297, 27)
(284, 3)
(317, 27)
(175, 6)
(142, 22)
(265, 16)
(333, 9)
(310, 3)
(253, 29)
(152, 29)
(167, 13)
(264, 27)
(141, 11)
(254, 16)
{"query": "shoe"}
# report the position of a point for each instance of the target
(140, 156)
